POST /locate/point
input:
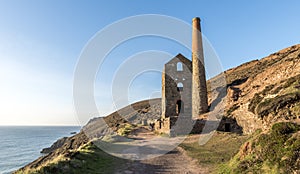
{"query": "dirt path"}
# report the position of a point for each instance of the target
(176, 161)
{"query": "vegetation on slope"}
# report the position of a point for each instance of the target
(87, 159)
(278, 99)
(276, 151)
(131, 114)
(126, 129)
(218, 150)
(277, 103)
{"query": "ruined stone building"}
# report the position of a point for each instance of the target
(177, 87)
(184, 92)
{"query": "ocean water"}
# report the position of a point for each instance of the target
(20, 145)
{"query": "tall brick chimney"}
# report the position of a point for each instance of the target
(199, 89)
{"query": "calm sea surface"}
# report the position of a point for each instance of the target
(20, 145)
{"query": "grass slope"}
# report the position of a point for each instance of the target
(218, 150)
(87, 159)
(277, 151)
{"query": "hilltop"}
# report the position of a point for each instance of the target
(258, 95)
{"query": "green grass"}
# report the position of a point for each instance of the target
(116, 138)
(296, 110)
(274, 152)
(88, 159)
(125, 129)
(217, 151)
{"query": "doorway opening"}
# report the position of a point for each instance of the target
(179, 107)
(227, 127)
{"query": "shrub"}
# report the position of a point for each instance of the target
(284, 128)
(125, 130)
(267, 89)
(254, 102)
(289, 82)
(274, 104)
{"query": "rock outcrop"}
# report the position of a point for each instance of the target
(250, 85)
(59, 143)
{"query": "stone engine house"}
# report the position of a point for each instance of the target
(184, 92)
(177, 87)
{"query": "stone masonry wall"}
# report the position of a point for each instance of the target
(170, 93)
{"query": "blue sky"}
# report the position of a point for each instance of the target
(40, 43)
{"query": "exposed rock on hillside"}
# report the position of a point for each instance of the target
(132, 114)
(264, 91)
(70, 144)
(59, 143)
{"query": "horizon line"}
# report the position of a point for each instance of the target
(36, 125)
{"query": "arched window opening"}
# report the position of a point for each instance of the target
(179, 87)
(179, 107)
(179, 66)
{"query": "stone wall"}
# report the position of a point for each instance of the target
(162, 125)
(176, 87)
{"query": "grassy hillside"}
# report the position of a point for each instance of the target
(218, 150)
(275, 151)
(86, 159)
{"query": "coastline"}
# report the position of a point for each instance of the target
(22, 144)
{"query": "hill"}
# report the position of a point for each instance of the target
(262, 92)
(257, 95)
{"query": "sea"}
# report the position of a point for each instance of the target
(20, 145)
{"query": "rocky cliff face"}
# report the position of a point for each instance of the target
(262, 92)
(59, 143)
(259, 93)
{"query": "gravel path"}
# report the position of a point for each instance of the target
(176, 161)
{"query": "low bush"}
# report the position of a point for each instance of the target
(254, 102)
(273, 105)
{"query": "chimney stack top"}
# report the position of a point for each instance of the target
(196, 19)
